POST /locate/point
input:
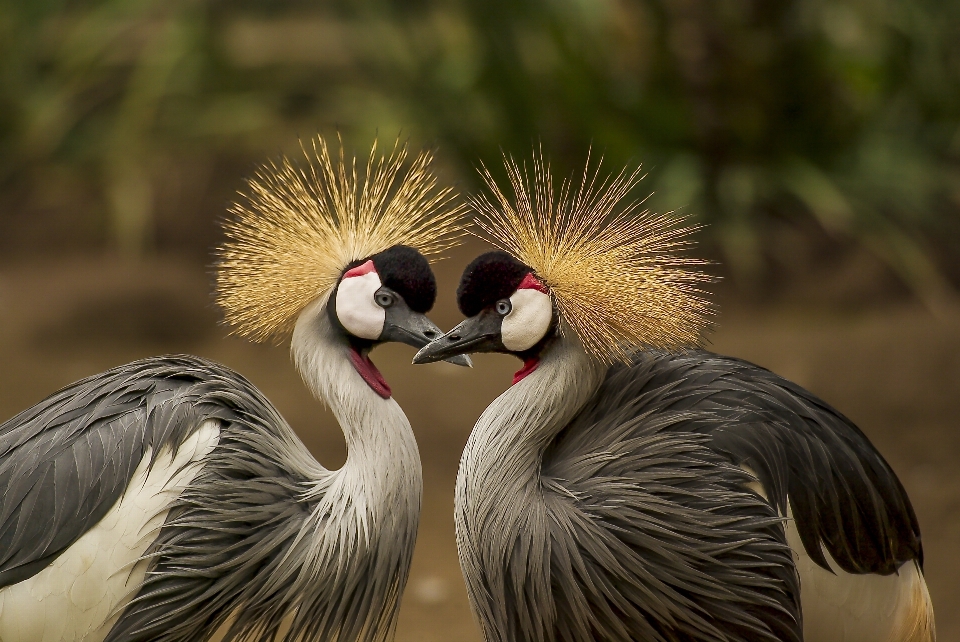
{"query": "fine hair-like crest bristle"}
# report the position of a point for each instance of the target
(614, 270)
(298, 225)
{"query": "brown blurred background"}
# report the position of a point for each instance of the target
(819, 143)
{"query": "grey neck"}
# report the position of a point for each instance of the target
(509, 440)
(351, 553)
(522, 421)
(499, 498)
(382, 475)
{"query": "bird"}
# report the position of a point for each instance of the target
(631, 484)
(167, 499)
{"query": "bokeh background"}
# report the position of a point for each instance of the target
(817, 141)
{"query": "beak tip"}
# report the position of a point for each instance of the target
(461, 360)
(458, 359)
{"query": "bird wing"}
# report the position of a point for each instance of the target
(654, 529)
(66, 461)
(842, 492)
(658, 536)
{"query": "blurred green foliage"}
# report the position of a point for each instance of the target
(783, 124)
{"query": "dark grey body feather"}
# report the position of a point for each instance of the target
(842, 492)
(634, 520)
(235, 544)
(65, 461)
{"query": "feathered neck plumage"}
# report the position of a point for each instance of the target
(499, 496)
(521, 422)
(366, 514)
(382, 456)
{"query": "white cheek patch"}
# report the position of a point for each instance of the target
(528, 321)
(357, 310)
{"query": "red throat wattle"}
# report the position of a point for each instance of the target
(370, 374)
(529, 365)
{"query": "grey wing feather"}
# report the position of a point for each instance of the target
(842, 492)
(65, 461)
(233, 544)
(657, 452)
(664, 532)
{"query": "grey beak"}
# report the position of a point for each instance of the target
(476, 334)
(460, 360)
(403, 325)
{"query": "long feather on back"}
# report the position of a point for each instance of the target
(614, 272)
(299, 226)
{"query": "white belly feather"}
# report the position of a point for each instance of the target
(846, 607)
(81, 593)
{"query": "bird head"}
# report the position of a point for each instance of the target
(585, 265)
(313, 240)
(508, 309)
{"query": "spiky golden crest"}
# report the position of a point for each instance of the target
(614, 272)
(299, 226)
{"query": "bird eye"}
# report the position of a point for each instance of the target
(503, 307)
(384, 299)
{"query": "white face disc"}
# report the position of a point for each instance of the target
(357, 310)
(528, 321)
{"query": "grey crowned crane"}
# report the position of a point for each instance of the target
(631, 485)
(167, 498)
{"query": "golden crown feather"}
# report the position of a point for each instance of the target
(614, 272)
(299, 226)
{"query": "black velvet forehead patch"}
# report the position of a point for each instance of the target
(489, 278)
(405, 271)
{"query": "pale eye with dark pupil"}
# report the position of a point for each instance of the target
(503, 307)
(384, 299)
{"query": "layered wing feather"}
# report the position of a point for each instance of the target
(668, 543)
(663, 524)
(65, 461)
(842, 492)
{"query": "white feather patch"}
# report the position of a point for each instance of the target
(82, 592)
(846, 607)
(528, 321)
(356, 308)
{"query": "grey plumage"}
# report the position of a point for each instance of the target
(842, 492)
(676, 496)
(165, 499)
(613, 504)
(65, 461)
(239, 542)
